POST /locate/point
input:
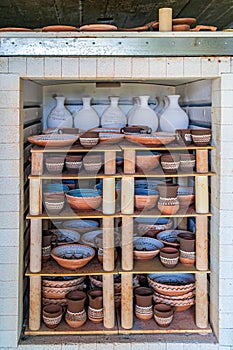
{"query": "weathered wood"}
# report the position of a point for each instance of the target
(165, 19)
(35, 196)
(110, 163)
(108, 244)
(37, 163)
(127, 195)
(35, 245)
(202, 161)
(126, 300)
(129, 161)
(127, 243)
(35, 303)
(202, 243)
(201, 300)
(108, 301)
(201, 194)
(109, 196)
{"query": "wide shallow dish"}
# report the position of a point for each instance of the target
(60, 292)
(15, 29)
(146, 248)
(155, 138)
(81, 225)
(147, 161)
(59, 28)
(73, 256)
(84, 199)
(152, 226)
(111, 138)
(53, 140)
(60, 282)
(172, 284)
(64, 236)
(98, 27)
(90, 237)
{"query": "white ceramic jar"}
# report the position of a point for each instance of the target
(86, 118)
(60, 117)
(113, 117)
(144, 115)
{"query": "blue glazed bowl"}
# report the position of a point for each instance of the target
(84, 192)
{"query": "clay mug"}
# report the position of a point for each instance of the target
(187, 241)
(163, 314)
(169, 256)
(168, 190)
(76, 300)
(183, 136)
(52, 315)
(143, 296)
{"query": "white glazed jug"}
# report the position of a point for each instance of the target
(113, 117)
(173, 117)
(136, 104)
(144, 115)
(86, 118)
(60, 117)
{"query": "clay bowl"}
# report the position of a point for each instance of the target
(150, 227)
(57, 188)
(171, 284)
(59, 28)
(201, 137)
(187, 162)
(180, 27)
(163, 314)
(73, 163)
(147, 161)
(145, 199)
(155, 138)
(169, 238)
(84, 199)
(73, 256)
(92, 238)
(110, 138)
(92, 163)
(64, 236)
(54, 203)
(52, 315)
(53, 140)
(89, 139)
(183, 136)
(169, 256)
(179, 304)
(81, 225)
(170, 163)
(146, 248)
(185, 196)
(54, 165)
(62, 282)
(60, 292)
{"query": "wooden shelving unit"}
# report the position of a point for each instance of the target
(194, 320)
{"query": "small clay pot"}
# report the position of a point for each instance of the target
(46, 247)
(76, 301)
(183, 136)
(168, 206)
(144, 313)
(169, 256)
(163, 314)
(187, 162)
(187, 241)
(168, 190)
(143, 296)
(95, 308)
(73, 163)
(54, 165)
(76, 319)
(170, 163)
(52, 315)
(201, 137)
(187, 258)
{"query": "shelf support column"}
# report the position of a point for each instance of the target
(108, 300)
(127, 300)
(35, 196)
(129, 161)
(127, 243)
(202, 165)
(37, 163)
(35, 303)
(110, 162)
(108, 244)
(201, 194)
(201, 308)
(109, 195)
(202, 243)
(35, 245)
(127, 195)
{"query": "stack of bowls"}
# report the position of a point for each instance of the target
(145, 199)
(84, 199)
(150, 227)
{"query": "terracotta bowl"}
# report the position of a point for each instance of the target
(59, 293)
(152, 226)
(169, 257)
(171, 284)
(84, 199)
(89, 139)
(73, 256)
(201, 137)
(147, 161)
(81, 225)
(185, 196)
(54, 165)
(187, 162)
(146, 248)
(92, 163)
(170, 163)
(54, 203)
(65, 236)
(62, 282)
(73, 163)
(52, 315)
(179, 304)
(111, 138)
(145, 199)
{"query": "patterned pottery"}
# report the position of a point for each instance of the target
(187, 258)
(183, 136)
(146, 248)
(81, 225)
(54, 203)
(169, 256)
(150, 227)
(163, 314)
(73, 163)
(52, 315)
(92, 163)
(54, 165)
(73, 256)
(145, 199)
(95, 307)
(187, 162)
(147, 161)
(170, 163)
(185, 196)
(75, 319)
(65, 236)
(201, 137)
(53, 140)
(84, 199)
(89, 139)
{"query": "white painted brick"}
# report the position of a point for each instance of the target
(35, 67)
(224, 65)
(209, 67)
(122, 346)
(192, 67)
(8, 306)
(4, 64)
(154, 346)
(216, 84)
(226, 252)
(226, 270)
(70, 67)
(226, 305)
(208, 346)
(8, 238)
(8, 339)
(225, 336)
(226, 320)
(190, 346)
(175, 67)
(9, 133)
(9, 202)
(40, 347)
(157, 67)
(140, 67)
(123, 67)
(224, 347)
(104, 346)
(69, 346)
(175, 346)
(8, 255)
(226, 201)
(12, 167)
(18, 65)
(226, 115)
(9, 290)
(91, 346)
(9, 99)
(88, 67)
(52, 67)
(8, 323)
(9, 220)
(227, 98)
(226, 286)
(12, 270)
(228, 232)
(226, 81)
(105, 67)
(9, 82)
(225, 147)
(226, 218)
(9, 185)
(231, 65)
(216, 99)
(9, 116)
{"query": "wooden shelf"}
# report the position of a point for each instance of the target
(160, 174)
(190, 212)
(183, 322)
(169, 147)
(75, 176)
(77, 148)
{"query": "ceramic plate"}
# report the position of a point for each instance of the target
(155, 138)
(98, 27)
(53, 140)
(59, 28)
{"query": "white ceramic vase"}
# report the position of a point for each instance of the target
(144, 115)
(60, 117)
(136, 104)
(173, 117)
(86, 118)
(113, 117)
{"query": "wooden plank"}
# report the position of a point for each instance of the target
(108, 301)
(126, 301)
(35, 303)
(127, 243)
(201, 301)
(78, 148)
(202, 243)
(35, 245)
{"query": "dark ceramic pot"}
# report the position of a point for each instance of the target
(95, 307)
(52, 315)
(183, 136)
(170, 163)
(169, 256)
(163, 314)
(187, 241)
(143, 296)
(168, 190)
(76, 300)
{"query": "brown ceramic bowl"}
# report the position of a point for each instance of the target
(73, 256)
(89, 139)
(54, 165)
(87, 200)
(187, 162)
(147, 162)
(146, 248)
(201, 137)
(170, 163)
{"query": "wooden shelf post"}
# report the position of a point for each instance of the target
(201, 194)
(129, 161)
(127, 243)
(201, 243)
(108, 244)
(109, 196)
(127, 195)
(35, 196)
(35, 245)
(201, 307)
(108, 301)
(202, 161)
(110, 162)
(35, 303)
(126, 300)
(37, 163)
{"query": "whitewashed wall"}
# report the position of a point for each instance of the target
(11, 69)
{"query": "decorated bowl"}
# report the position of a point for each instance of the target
(73, 256)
